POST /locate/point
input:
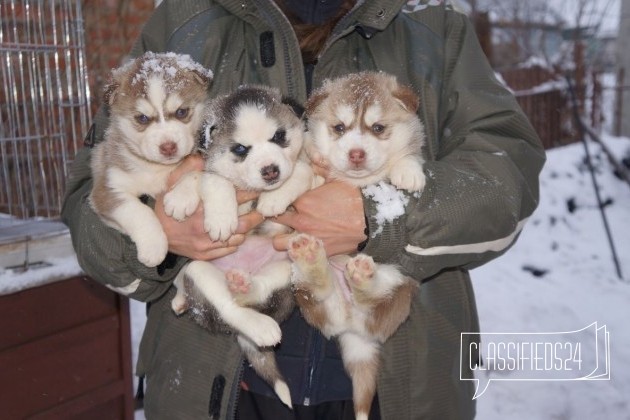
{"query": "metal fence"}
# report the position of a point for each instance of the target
(44, 102)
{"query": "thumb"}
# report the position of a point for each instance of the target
(281, 242)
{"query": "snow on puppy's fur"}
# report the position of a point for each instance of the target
(156, 105)
(365, 127)
(255, 143)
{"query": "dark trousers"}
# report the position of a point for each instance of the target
(253, 406)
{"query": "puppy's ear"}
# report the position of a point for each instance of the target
(109, 93)
(315, 100)
(205, 135)
(295, 106)
(202, 78)
(407, 98)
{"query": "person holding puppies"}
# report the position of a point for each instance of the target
(481, 160)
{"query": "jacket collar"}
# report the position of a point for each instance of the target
(371, 15)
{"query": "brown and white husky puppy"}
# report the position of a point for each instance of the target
(254, 140)
(365, 129)
(156, 106)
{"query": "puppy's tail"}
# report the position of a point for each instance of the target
(264, 364)
(282, 391)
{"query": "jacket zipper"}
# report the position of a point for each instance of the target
(313, 361)
(236, 391)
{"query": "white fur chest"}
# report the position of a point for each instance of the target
(145, 178)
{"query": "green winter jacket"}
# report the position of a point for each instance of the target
(483, 160)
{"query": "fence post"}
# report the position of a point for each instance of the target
(619, 100)
(596, 101)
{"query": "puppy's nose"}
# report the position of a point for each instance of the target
(270, 173)
(168, 148)
(356, 156)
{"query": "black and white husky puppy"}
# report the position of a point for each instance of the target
(156, 105)
(254, 142)
(364, 127)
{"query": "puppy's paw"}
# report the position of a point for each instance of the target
(270, 204)
(240, 284)
(179, 304)
(260, 328)
(360, 272)
(152, 247)
(220, 225)
(179, 203)
(306, 250)
(408, 175)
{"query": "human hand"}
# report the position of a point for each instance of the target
(188, 238)
(332, 212)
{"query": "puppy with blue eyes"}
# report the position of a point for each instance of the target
(156, 106)
(253, 141)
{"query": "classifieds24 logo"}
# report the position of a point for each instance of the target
(582, 354)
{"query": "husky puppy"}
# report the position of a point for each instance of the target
(364, 128)
(156, 105)
(254, 142)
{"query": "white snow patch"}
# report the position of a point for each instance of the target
(390, 203)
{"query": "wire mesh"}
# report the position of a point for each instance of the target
(44, 102)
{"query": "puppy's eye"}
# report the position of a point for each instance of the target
(142, 119)
(181, 113)
(280, 138)
(339, 128)
(378, 128)
(240, 150)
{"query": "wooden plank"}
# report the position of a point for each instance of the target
(125, 357)
(45, 310)
(106, 402)
(52, 370)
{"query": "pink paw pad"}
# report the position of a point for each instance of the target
(238, 282)
(360, 269)
(305, 248)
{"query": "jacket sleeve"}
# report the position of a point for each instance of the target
(483, 184)
(104, 253)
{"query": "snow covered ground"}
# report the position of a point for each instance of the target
(558, 277)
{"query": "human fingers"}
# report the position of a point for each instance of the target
(249, 221)
(332, 212)
(323, 171)
(281, 242)
(320, 165)
(245, 196)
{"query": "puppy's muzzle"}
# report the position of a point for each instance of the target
(270, 173)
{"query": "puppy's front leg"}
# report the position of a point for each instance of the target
(407, 174)
(143, 227)
(182, 200)
(219, 205)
